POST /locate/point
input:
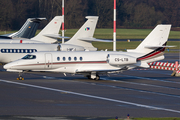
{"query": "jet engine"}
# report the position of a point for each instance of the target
(117, 59)
(68, 47)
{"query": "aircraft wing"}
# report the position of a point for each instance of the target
(94, 40)
(55, 36)
(101, 71)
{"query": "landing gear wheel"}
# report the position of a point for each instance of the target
(97, 78)
(88, 76)
(20, 78)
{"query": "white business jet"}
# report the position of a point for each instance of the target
(79, 42)
(93, 63)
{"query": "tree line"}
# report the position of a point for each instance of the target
(130, 13)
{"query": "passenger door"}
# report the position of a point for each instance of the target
(48, 60)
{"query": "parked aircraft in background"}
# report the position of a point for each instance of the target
(93, 63)
(11, 52)
(28, 30)
(47, 35)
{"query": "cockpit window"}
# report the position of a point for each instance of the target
(29, 57)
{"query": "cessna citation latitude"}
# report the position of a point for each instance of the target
(81, 41)
(93, 63)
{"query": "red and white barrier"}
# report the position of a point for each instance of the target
(163, 64)
(163, 68)
(175, 67)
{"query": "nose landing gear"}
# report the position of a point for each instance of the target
(20, 76)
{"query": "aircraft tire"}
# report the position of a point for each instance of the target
(97, 78)
(20, 78)
(88, 76)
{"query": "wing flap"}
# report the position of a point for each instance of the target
(89, 71)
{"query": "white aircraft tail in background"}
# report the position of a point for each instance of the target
(50, 32)
(84, 36)
(47, 35)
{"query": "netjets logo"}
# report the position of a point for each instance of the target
(87, 28)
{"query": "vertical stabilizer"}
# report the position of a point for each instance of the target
(28, 30)
(85, 32)
(158, 37)
(52, 28)
(153, 46)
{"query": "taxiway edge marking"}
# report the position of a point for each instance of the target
(92, 96)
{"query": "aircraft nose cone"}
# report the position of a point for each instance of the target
(7, 66)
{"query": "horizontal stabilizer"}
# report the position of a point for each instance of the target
(55, 36)
(94, 40)
(158, 46)
(37, 19)
(5, 37)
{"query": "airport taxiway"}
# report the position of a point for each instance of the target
(138, 92)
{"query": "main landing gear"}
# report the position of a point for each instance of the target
(93, 76)
(20, 76)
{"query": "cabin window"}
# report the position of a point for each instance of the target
(81, 58)
(64, 58)
(18, 50)
(35, 50)
(58, 58)
(69, 58)
(75, 58)
(3, 50)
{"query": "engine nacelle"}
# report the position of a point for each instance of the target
(67, 47)
(116, 59)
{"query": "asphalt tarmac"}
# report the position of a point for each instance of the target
(44, 95)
